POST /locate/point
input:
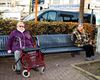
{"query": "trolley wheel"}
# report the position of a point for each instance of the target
(41, 70)
(25, 73)
(14, 67)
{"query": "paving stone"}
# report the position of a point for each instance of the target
(58, 67)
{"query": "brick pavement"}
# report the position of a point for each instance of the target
(58, 67)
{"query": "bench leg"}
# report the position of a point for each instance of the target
(78, 53)
(75, 53)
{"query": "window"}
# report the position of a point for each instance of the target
(65, 1)
(48, 16)
(87, 18)
(52, 16)
(39, 1)
(74, 19)
(56, 1)
(65, 17)
(2, 4)
(71, 1)
(44, 17)
(68, 16)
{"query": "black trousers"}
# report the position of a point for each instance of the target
(89, 50)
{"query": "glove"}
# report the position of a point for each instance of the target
(9, 51)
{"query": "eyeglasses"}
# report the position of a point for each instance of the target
(21, 26)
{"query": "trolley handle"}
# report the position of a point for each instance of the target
(30, 49)
(20, 42)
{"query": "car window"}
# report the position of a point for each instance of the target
(48, 16)
(52, 16)
(65, 17)
(86, 18)
(32, 16)
(29, 17)
(75, 17)
(68, 16)
(43, 17)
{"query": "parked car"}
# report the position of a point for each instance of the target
(57, 15)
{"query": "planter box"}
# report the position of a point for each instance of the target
(91, 68)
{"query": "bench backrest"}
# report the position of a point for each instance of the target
(55, 40)
(3, 42)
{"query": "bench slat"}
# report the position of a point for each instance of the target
(54, 40)
(4, 54)
(3, 42)
(60, 50)
(56, 43)
(3, 46)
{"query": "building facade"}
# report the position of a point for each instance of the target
(21, 7)
(27, 6)
(6, 4)
(70, 5)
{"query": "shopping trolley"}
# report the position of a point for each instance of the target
(30, 58)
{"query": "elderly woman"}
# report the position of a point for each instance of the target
(19, 39)
(82, 39)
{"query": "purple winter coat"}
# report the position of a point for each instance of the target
(16, 37)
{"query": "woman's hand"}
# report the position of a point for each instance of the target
(9, 51)
(91, 42)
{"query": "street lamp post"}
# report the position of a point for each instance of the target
(30, 7)
(36, 10)
(81, 11)
(91, 21)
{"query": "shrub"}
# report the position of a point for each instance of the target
(6, 26)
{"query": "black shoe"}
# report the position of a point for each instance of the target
(18, 71)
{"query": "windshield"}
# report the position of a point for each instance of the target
(31, 16)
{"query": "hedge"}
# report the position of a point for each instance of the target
(6, 26)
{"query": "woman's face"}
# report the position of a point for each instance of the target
(21, 27)
(80, 28)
